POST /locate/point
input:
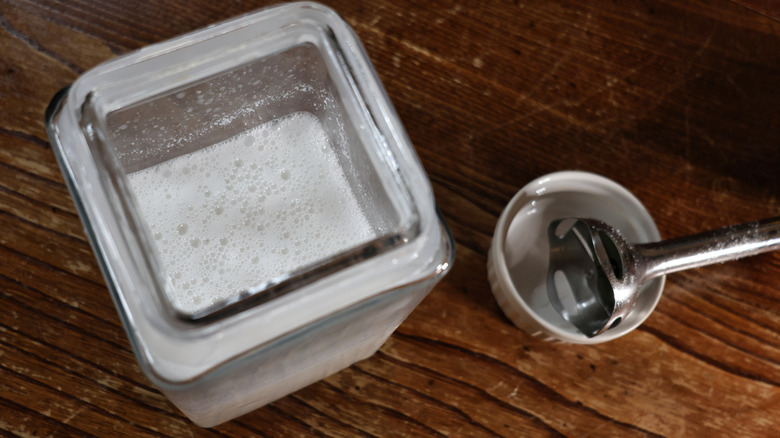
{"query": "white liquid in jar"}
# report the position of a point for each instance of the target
(261, 204)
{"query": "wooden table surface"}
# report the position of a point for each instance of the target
(677, 100)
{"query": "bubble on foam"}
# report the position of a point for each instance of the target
(229, 194)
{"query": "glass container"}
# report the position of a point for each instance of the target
(258, 212)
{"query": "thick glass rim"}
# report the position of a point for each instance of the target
(99, 102)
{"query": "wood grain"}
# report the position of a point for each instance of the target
(676, 100)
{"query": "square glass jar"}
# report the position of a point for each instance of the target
(258, 212)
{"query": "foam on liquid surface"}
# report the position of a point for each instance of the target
(264, 203)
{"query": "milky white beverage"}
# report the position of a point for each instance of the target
(263, 203)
